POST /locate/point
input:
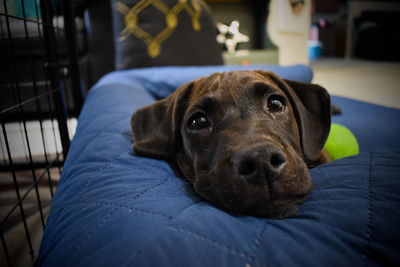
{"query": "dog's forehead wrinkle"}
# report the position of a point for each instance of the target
(241, 87)
(206, 86)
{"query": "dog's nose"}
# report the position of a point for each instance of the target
(260, 162)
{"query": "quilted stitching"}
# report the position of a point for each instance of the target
(371, 213)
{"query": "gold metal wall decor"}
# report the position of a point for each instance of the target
(171, 21)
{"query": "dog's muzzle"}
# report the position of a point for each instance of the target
(262, 178)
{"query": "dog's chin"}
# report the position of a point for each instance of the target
(278, 208)
(273, 209)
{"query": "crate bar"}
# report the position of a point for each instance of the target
(51, 56)
(70, 34)
(51, 108)
(33, 99)
(30, 115)
(39, 109)
(3, 242)
(28, 166)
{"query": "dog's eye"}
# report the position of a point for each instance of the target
(198, 121)
(276, 103)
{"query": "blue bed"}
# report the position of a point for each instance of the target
(112, 208)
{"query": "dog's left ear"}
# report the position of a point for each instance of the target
(155, 127)
(314, 114)
(312, 107)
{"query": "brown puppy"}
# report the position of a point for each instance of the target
(243, 138)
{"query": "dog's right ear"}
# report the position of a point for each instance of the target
(155, 128)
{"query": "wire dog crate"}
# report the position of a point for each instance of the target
(40, 94)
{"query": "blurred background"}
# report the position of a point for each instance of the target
(352, 46)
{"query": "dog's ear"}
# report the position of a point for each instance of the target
(155, 127)
(312, 107)
(314, 115)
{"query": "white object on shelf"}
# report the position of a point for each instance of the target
(289, 30)
(230, 36)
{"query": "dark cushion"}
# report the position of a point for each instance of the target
(112, 208)
(164, 33)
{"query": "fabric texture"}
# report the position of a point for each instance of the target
(112, 208)
(164, 32)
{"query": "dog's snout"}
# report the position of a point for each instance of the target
(259, 163)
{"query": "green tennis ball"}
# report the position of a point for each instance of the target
(341, 142)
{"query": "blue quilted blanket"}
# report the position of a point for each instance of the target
(112, 208)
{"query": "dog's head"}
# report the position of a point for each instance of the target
(242, 138)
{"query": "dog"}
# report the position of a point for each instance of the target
(244, 139)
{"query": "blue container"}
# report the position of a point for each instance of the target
(314, 49)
